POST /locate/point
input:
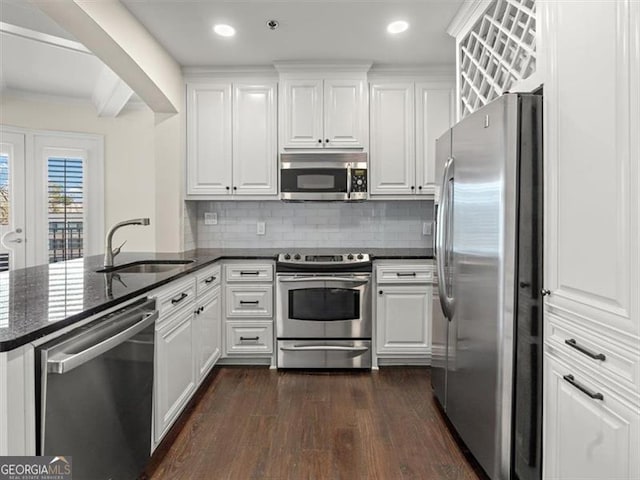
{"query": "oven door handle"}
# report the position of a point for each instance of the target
(324, 279)
(324, 348)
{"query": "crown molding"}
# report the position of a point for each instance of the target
(229, 71)
(353, 66)
(445, 70)
(470, 11)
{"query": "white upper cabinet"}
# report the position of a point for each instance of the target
(434, 115)
(345, 113)
(209, 162)
(232, 139)
(406, 119)
(392, 159)
(592, 147)
(255, 151)
(324, 112)
(301, 108)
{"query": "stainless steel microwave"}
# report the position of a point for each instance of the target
(323, 176)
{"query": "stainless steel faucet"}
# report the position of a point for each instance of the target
(109, 252)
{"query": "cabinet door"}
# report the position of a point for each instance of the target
(207, 334)
(434, 115)
(403, 319)
(175, 370)
(586, 438)
(345, 114)
(392, 149)
(255, 149)
(301, 114)
(209, 139)
(592, 130)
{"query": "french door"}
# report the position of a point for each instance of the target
(12, 201)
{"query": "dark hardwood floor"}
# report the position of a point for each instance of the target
(256, 423)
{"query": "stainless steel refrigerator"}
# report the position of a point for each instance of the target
(487, 320)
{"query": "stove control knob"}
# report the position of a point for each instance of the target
(350, 257)
(296, 256)
(360, 256)
(287, 256)
(359, 182)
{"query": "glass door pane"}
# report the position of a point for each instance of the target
(12, 201)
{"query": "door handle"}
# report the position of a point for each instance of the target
(587, 391)
(4, 240)
(574, 344)
(335, 348)
(447, 303)
(247, 302)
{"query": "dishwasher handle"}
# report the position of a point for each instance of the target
(61, 362)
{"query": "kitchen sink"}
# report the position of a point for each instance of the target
(146, 266)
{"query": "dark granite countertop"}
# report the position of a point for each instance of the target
(37, 301)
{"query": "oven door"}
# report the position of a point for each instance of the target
(324, 306)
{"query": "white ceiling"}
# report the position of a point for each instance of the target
(309, 30)
(23, 14)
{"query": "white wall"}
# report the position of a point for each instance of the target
(373, 224)
(130, 173)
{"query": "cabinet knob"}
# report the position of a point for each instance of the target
(319, 140)
(380, 292)
(227, 187)
(545, 292)
(412, 187)
(235, 188)
(420, 187)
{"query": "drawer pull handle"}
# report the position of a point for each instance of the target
(400, 274)
(251, 339)
(574, 344)
(210, 279)
(179, 298)
(247, 302)
(583, 389)
(250, 273)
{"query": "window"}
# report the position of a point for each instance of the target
(4, 207)
(65, 208)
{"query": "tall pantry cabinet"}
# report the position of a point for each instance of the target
(592, 215)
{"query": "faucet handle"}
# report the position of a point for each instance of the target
(116, 250)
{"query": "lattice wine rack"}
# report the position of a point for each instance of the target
(499, 50)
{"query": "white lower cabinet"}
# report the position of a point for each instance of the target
(207, 333)
(402, 304)
(586, 437)
(249, 338)
(403, 314)
(175, 369)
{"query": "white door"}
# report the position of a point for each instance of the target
(392, 149)
(345, 115)
(403, 319)
(209, 139)
(175, 370)
(592, 147)
(255, 151)
(208, 333)
(12, 201)
(586, 438)
(301, 110)
(434, 115)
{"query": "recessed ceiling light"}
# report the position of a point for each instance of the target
(224, 30)
(397, 27)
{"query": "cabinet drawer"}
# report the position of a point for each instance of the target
(594, 352)
(208, 279)
(589, 431)
(249, 301)
(244, 338)
(249, 272)
(404, 274)
(175, 296)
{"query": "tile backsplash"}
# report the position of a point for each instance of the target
(374, 224)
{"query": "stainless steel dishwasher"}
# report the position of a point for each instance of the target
(96, 385)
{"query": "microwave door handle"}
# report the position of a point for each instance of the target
(349, 181)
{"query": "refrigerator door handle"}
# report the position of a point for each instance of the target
(442, 240)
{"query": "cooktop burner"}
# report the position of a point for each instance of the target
(342, 262)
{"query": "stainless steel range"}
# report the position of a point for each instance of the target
(324, 317)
